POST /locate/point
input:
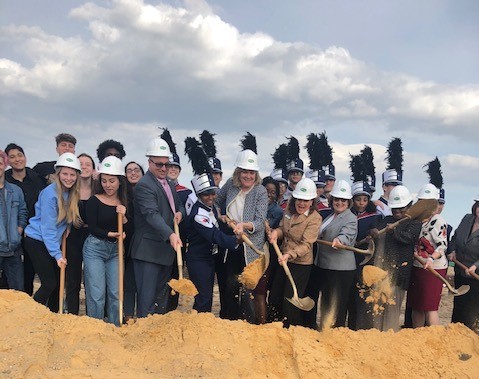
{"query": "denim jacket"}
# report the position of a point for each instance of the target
(17, 215)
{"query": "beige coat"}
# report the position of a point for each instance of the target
(298, 234)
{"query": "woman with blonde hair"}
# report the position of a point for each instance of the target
(55, 210)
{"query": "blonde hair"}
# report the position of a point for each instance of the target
(68, 210)
(237, 181)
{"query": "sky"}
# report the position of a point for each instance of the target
(363, 71)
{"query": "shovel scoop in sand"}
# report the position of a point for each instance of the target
(181, 285)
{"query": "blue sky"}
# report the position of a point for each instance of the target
(363, 71)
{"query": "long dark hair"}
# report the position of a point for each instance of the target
(122, 191)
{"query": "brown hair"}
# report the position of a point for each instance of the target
(292, 208)
(65, 137)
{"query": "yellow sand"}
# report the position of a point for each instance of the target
(35, 343)
(183, 286)
(378, 290)
(252, 273)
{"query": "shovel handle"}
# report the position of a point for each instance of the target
(464, 267)
(120, 267)
(283, 263)
(435, 273)
(345, 247)
(179, 256)
(245, 239)
(62, 274)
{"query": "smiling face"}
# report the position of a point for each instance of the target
(68, 177)
(133, 173)
(247, 179)
(271, 191)
(110, 184)
(159, 166)
(86, 167)
(17, 160)
(340, 205)
(174, 172)
(329, 185)
(208, 199)
(360, 202)
(65, 147)
(217, 176)
(294, 177)
(301, 206)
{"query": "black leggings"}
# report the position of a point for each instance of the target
(48, 271)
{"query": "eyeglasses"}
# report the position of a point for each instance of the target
(133, 170)
(161, 164)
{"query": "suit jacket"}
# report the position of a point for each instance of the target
(345, 227)
(465, 243)
(154, 221)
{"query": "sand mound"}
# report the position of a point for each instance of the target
(35, 343)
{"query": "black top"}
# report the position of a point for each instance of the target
(31, 186)
(101, 218)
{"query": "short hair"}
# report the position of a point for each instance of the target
(271, 180)
(4, 156)
(65, 137)
(109, 144)
(13, 146)
(236, 177)
(474, 207)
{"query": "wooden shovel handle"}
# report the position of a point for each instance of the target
(245, 238)
(179, 256)
(464, 267)
(283, 263)
(434, 272)
(62, 273)
(120, 267)
(345, 247)
(393, 225)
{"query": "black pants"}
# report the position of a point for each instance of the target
(281, 309)
(74, 268)
(28, 270)
(48, 271)
(466, 307)
(313, 289)
(129, 288)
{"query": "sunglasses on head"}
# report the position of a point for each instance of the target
(161, 164)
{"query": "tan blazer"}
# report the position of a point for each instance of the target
(298, 234)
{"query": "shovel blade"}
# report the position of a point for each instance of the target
(366, 259)
(303, 303)
(461, 290)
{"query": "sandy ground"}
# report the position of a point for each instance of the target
(35, 343)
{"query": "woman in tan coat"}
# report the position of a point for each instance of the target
(299, 230)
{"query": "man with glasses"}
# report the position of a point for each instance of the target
(157, 206)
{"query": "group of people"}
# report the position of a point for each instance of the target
(71, 205)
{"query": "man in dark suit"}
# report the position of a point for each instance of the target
(156, 206)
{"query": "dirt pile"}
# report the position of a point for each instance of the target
(35, 343)
(377, 289)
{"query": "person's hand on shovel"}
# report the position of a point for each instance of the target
(61, 261)
(175, 240)
(284, 258)
(178, 217)
(121, 209)
(241, 227)
(272, 236)
(471, 270)
(336, 242)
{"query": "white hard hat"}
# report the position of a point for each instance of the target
(399, 197)
(158, 148)
(68, 160)
(428, 191)
(247, 160)
(305, 190)
(111, 166)
(342, 190)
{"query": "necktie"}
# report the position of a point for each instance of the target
(169, 194)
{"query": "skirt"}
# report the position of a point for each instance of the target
(424, 293)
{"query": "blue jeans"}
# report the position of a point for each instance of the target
(100, 260)
(13, 269)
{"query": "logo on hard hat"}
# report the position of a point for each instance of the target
(250, 160)
(427, 191)
(162, 147)
(397, 198)
(303, 189)
(69, 160)
(107, 165)
(343, 189)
